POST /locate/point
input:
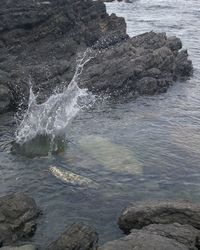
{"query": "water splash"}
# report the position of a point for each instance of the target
(53, 116)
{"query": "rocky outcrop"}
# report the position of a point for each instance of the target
(158, 237)
(18, 214)
(145, 213)
(158, 225)
(79, 236)
(143, 65)
(40, 41)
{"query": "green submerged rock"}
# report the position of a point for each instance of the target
(39, 146)
(110, 155)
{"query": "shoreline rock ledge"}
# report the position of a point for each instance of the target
(41, 40)
(154, 225)
(139, 215)
(159, 225)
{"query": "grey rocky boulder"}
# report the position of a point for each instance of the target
(139, 215)
(143, 65)
(184, 234)
(158, 237)
(77, 237)
(18, 214)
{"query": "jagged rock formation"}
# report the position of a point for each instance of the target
(40, 41)
(143, 65)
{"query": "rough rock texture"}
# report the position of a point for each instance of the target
(40, 41)
(18, 214)
(77, 237)
(158, 237)
(184, 234)
(24, 247)
(142, 214)
(146, 64)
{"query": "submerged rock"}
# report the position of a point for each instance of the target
(139, 215)
(78, 237)
(18, 214)
(158, 237)
(111, 156)
(72, 178)
(41, 145)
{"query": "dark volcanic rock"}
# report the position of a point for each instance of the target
(158, 237)
(18, 214)
(184, 234)
(146, 64)
(143, 241)
(145, 213)
(77, 237)
(39, 40)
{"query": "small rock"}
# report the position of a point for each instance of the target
(18, 214)
(79, 236)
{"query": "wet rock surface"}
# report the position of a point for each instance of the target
(142, 214)
(158, 237)
(151, 225)
(158, 225)
(40, 41)
(184, 234)
(79, 236)
(18, 214)
(143, 65)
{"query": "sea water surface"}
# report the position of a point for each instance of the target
(156, 138)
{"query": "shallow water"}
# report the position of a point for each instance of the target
(162, 132)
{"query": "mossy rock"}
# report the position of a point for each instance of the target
(42, 145)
